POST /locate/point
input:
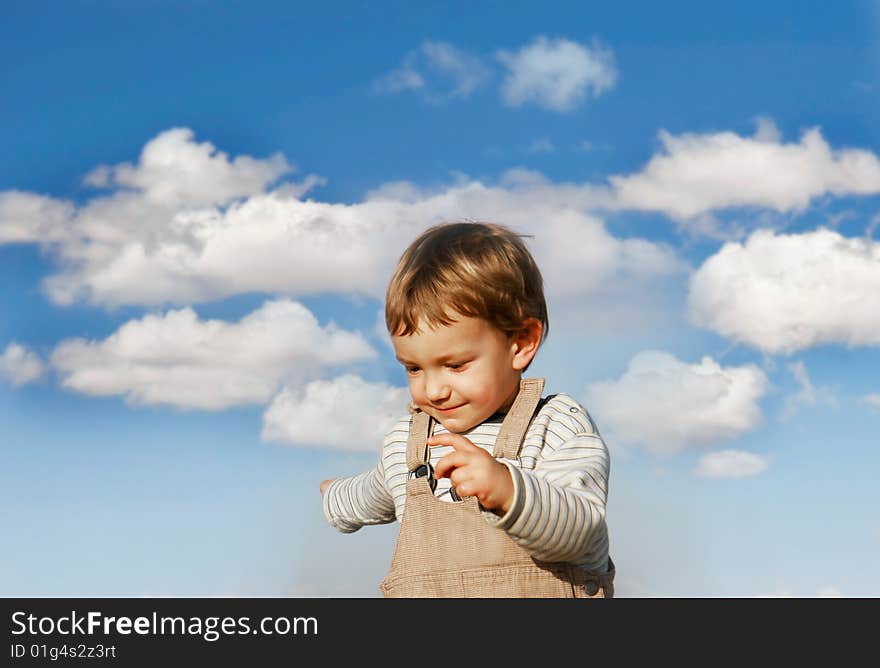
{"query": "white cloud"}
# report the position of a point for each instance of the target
(766, 131)
(556, 74)
(400, 79)
(579, 258)
(438, 71)
(132, 246)
(179, 238)
(398, 191)
(347, 413)
(731, 464)
(783, 293)
(808, 395)
(523, 179)
(19, 366)
(697, 173)
(30, 218)
(872, 400)
(173, 171)
(160, 210)
(175, 358)
(664, 405)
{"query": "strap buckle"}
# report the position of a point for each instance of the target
(425, 470)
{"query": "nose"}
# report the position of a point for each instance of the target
(436, 389)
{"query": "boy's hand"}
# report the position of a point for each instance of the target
(324, 484)
(474, 472)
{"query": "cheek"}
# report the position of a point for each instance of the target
(479, 390)
(415, 390)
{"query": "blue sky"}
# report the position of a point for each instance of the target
(200, 204)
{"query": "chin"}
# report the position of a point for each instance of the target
(456, 425)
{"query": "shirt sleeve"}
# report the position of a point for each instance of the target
(558, 509)
(357, 501)
(365, 499)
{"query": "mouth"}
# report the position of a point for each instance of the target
(450, 409)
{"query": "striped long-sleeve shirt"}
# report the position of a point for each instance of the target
(560, 485)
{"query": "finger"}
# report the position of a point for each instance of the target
(457, 441)
(468, 487)
(464, 489)
(459, 477)
(449, 463)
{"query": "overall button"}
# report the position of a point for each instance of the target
(591, 588)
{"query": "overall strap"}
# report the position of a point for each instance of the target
(518, 418)
(416, 444)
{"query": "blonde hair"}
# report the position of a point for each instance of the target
(479, 270)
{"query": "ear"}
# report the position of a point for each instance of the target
(524, 344)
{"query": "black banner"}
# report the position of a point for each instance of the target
(261, 631)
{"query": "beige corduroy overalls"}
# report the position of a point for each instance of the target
(447, 549)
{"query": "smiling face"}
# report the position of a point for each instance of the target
(464, 372)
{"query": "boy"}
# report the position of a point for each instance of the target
(500, 493)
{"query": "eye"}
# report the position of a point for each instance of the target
(412, 370)
(457, 366)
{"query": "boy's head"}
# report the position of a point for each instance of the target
(466, 312)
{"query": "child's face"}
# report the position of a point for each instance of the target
(461, 373)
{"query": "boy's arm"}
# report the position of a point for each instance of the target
(558, 508)
(350, 503)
